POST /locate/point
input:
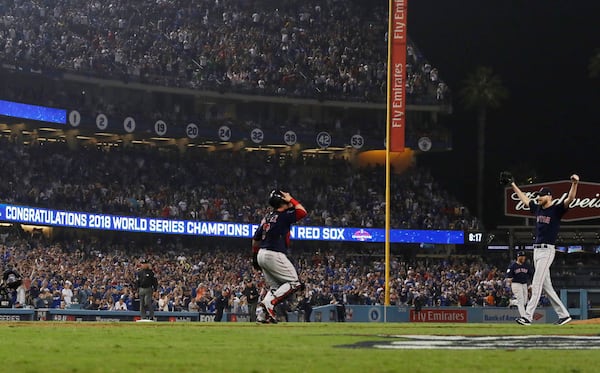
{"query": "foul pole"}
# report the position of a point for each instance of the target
(396, 109)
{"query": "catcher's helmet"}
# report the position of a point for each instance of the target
(276, 199)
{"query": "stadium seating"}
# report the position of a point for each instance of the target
(219, 186)
(104, 270)
(296, 49)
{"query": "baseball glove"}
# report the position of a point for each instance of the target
(506, 178)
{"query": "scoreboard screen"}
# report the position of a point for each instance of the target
(475, 237)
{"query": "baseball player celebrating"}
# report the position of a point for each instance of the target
(547, 223)
(519, 275)
(269, 246)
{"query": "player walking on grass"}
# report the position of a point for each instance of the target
(270, 244)
(520, 274)
(547, 224)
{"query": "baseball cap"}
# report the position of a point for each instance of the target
(521, 253)
(276, 198)
(544, 192)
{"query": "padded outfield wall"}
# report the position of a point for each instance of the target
(320, 314)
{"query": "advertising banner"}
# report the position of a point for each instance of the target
(585, 206)
(16, 314)
(397, 37)
(438, 315)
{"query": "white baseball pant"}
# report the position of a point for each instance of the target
(280, 273)
(520, 292)
(542, 259)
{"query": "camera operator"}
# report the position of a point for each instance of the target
(11, 280)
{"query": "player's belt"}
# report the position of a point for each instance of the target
(543, 246)
(273, 249)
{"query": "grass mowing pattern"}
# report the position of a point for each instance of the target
(285, 347)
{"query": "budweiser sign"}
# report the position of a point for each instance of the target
(586, 204)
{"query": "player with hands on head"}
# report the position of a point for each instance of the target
(270, 244)
(547, 224)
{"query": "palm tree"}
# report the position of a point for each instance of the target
(481, 91)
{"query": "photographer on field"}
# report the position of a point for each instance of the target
(11, 280)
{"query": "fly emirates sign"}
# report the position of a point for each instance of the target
(585, 206)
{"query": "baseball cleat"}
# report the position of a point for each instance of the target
(267, 316)
(262, 319)
(563, 320)
(522, 321)
(269, 310)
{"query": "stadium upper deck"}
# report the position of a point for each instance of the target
(326, 49)
(306, 67)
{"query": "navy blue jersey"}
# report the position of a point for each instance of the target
(520, 273)
(547, 221)
(274, 230)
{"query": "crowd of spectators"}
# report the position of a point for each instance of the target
(93, 274)
(328, 49)
(220, 186)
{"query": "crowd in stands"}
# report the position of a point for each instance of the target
(225, 186)
(93, 274)
(220, 186)
(328, 49)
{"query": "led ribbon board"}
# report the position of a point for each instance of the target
(83, 220)
(34, 112)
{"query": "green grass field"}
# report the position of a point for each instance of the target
(285, 347)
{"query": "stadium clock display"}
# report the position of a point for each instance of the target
(474, 237)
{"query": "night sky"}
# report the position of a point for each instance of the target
(541, 50)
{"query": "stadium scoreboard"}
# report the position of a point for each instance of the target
(475, 237)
